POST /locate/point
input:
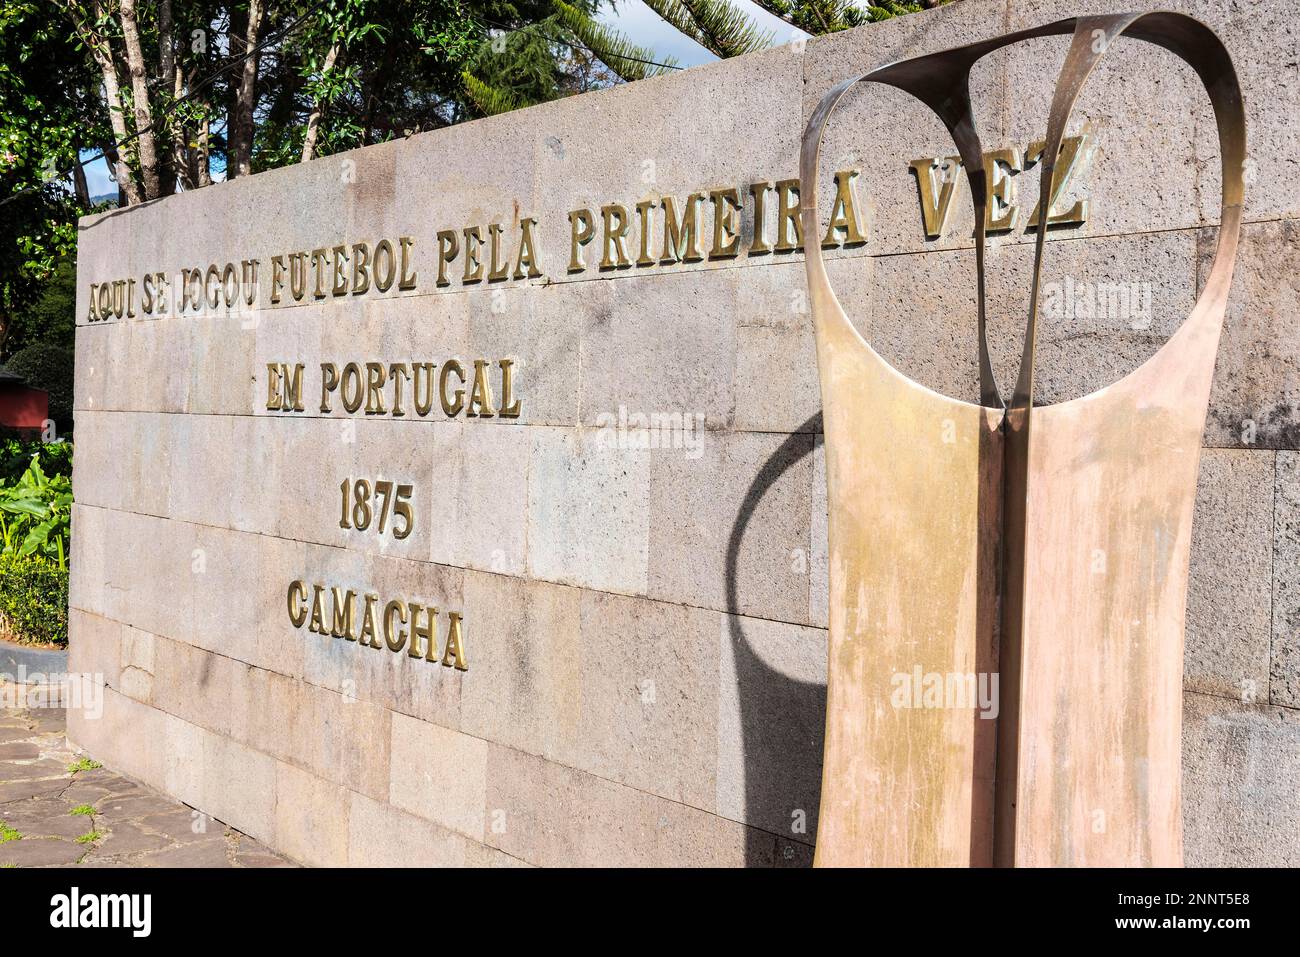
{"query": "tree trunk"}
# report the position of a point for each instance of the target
(80, 184)
(246, 99)
(103, 56)
(202, 155)
(182, 174)
(183, 158)
(140, 96)
(318, 109)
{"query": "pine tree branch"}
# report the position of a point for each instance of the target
(716, 25)
(489, 100)
(629, 61)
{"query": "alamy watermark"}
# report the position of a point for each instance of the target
(936, 689)
(1072, 299)
(640, 431)
(76, 691)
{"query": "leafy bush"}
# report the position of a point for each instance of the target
(49, 367)
(16, 456)
(36, 515)
(33, 599)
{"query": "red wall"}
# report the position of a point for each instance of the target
(23, 408)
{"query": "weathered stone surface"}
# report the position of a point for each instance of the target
(550, 815)
(311, 818)
(588, 512)
(732, 524)
(771, 717)
(1284, 665)
(1226, 650)
(1256, 397)
(379, 834)
(1241, 783)
(40, 852)
(439, 775)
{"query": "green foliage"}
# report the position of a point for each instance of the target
(52, 317)
(8, 834)
(84, 764)
(16, 458)
(35, 515)
(629, 61)
(48, 366)
(82, 810)
(33, 600)
(488, 99)
(48, 110)
(716, 25)
(89, 838)
(820, 17)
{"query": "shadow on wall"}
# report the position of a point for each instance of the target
(782, 718)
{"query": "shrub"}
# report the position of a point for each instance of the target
(16, 456)
(49, 367)
(36, 513)
(33, 599)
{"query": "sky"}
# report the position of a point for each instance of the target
(632, 17)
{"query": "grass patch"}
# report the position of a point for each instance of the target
(85, 764)
(8, 834)
(90, 837)
(85, 809)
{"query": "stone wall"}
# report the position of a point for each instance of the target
(645, 628)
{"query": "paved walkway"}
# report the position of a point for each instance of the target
(59, 808)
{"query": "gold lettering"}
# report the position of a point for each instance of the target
(395, 638)
(340, 257)
(368, 636)
(448, 248)
(384, 275)
(643, 217)
(935, 206)
(394, 371)
(360, 268)
(297, 275)
(297, 600)
(449, 367)
(509, 404)
(726, 232)
(579, 236)
(789, 232)
(408, 277)
(277, 278)
(423, 406)
(352, 373)
(616, 224)
(375, 378)
(844, 213)
(329, 381)
(480, 392)
(1001, 212)
(527, 251)
(473, 244)
(318, 259)
(344, 614)
(455, 653)
(681, 237)
(496, 270)
(317, 611)
(429, 632)
(1067, 165)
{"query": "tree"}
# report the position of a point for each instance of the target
(49, 111)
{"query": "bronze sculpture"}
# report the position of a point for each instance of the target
(963, 534)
